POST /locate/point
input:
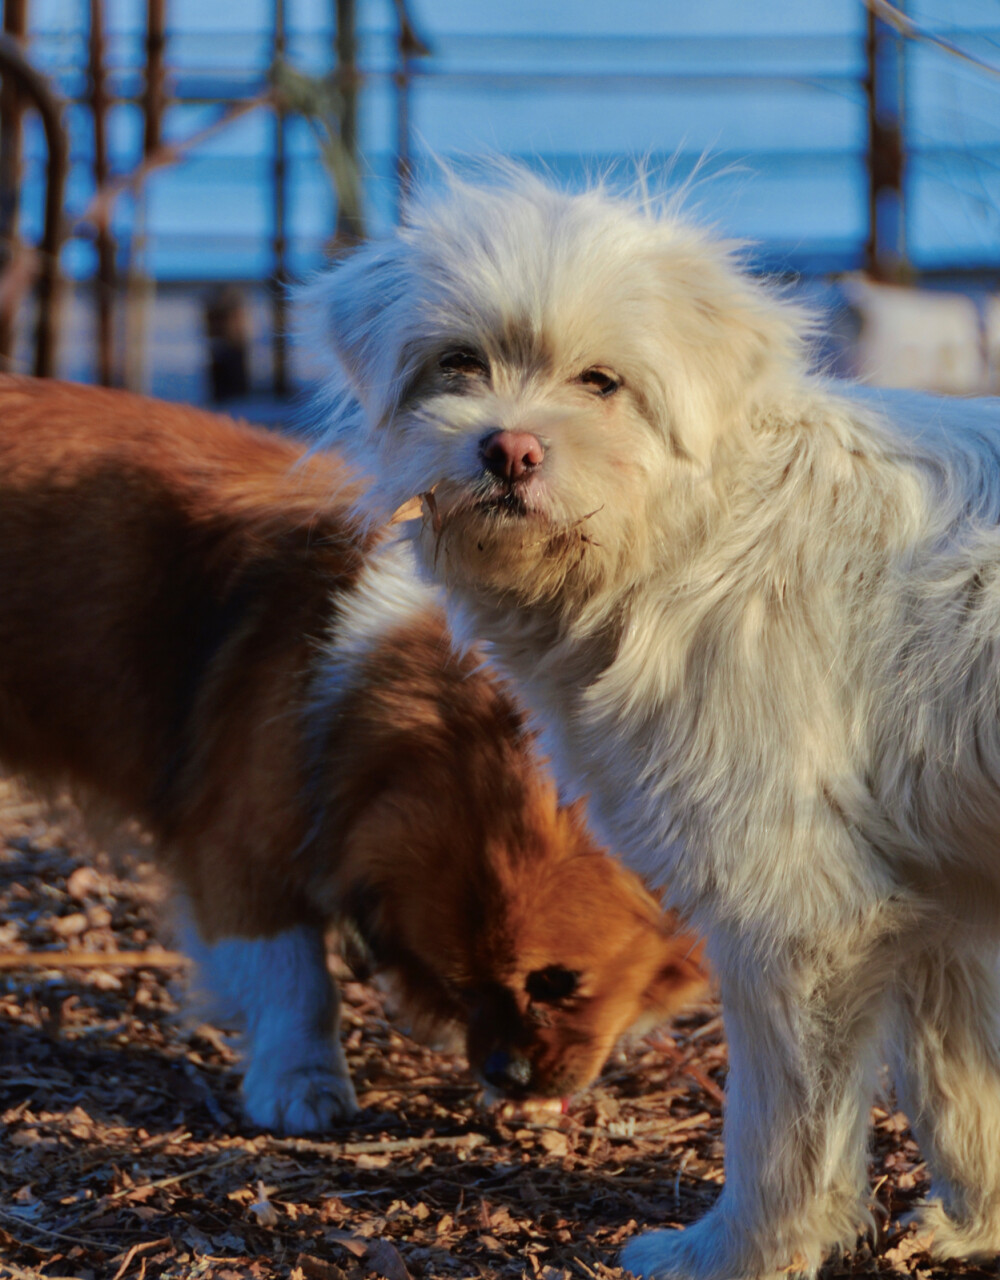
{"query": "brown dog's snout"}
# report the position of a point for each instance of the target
(511, 455)
(507, 1070)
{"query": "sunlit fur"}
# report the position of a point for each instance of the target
(195, 632)
(759, 618)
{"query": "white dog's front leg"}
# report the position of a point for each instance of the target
(802, 1070)
(296, 1079)
(947, 1071)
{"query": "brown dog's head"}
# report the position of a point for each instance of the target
(505, 920)
(489, 903)
(577, 954)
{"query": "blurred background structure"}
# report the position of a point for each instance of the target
(167, 167)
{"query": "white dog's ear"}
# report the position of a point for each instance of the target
(728, 337)
(357, 305)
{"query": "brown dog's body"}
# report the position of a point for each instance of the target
(195, 632)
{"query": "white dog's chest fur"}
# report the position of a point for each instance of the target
(862, 732)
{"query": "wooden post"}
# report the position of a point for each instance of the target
(105, 286)
(139, 288)
(350, 227)
(885, 251)
(34, 88)
(15, 22)
(279, 278)
(154, 96)
(409, 45)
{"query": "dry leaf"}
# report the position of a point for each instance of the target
(83, 882)
(556, 1144)
(312, 1268)
(347, 1240)
(908, 1247)
(32, 1138)
(367, 1161)
(139, 1195)
(386, 1260)
(262, 1208)
(410, 510)
(69, 927)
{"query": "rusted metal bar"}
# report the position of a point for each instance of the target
(168, 154)
(15, 20)
(409, 45)
(105, 288)
(347, 66)
(139, 289)
(885, 251)
(155, 96)
(36, 89)
(350, 221)
(279, 279)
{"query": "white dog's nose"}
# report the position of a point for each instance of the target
(509, 455)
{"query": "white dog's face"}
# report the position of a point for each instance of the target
(551, 366)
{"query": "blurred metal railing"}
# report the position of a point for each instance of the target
(20, 265)
(151, 87)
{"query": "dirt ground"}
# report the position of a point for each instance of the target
(123, 1154)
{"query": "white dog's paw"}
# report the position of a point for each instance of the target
(306, 1099)
(945, 1237)
(655, 1254)
(702, 1252)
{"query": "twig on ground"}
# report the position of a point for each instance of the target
(152, 959)
(337, 1150)
(144, 1247)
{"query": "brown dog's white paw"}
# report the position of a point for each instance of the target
(304, 1100)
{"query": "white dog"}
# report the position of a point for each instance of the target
(759, 618)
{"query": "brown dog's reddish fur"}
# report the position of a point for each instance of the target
(171, 585)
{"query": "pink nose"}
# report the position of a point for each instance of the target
(511, 454)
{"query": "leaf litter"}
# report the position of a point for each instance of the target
(123, 1154)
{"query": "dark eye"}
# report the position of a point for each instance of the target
(601, 381)
(463, 362)
(551, 983)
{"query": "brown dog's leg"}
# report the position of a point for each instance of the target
(296, 1079)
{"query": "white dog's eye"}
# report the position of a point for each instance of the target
(464, 362)
(601, 381)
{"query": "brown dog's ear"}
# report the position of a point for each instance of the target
(681, 978)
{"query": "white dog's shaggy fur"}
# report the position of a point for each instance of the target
(759, 618)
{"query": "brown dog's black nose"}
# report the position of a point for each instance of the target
(507, 1071)
(510, 455)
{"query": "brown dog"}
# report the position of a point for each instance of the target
(195, 631)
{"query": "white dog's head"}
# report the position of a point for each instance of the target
(552, 367)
